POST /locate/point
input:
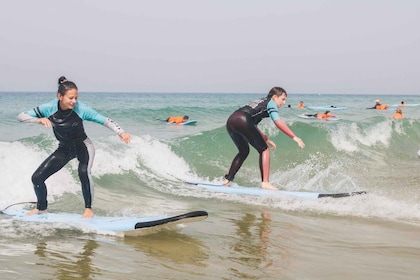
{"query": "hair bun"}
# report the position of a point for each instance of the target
(62, 79)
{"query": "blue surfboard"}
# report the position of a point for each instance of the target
(405, 105)
(190, 122)
(126, 226)
(327, 107)
(254, 191)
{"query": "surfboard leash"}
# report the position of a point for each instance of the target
(32, 202)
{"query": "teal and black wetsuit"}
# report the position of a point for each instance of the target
(242, 128)
(73, 143)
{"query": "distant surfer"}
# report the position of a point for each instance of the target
(301, 105)
(379, 106)
(177, 119)
(65, 115)
(325, 115)
(242, 128)
(398, 114)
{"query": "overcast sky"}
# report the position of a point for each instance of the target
(305, 46)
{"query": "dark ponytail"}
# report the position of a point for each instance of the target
(64, 85)
(276, 91)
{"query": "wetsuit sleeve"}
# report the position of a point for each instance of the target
(273, 111)
(27, 118)
(111, 124)
(42, 111)
(88, 114)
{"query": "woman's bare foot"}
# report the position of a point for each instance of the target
(36, 211)
(88, 213)
(268, 186)
(226, 182)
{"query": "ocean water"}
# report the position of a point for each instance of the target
(374, 236)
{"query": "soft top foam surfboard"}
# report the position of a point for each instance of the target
(405, 105)
(127, 226)
(327, 107)
(190, 122)
(305, 116)
(254, 191)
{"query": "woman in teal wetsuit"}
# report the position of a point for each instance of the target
(65, 115)
(242, 128)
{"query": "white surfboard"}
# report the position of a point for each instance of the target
(126, 226)
(254, 191)
(327, 107)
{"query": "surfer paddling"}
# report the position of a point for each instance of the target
(177, 119)
(65, 115)
(242, 128)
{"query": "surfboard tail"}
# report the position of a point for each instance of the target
(338, 195)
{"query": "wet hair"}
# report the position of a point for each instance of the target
(276, 91)
(64, 85)
(186, 117)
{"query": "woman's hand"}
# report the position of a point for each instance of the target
(271, 144)
(125, 137)
(299, 141)
(44, 121)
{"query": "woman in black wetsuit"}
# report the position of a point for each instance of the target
(65, 115)
(242, 128)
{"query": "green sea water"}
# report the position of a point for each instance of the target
(244, 237)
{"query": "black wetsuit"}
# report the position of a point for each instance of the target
(73, 143)
(242, 128)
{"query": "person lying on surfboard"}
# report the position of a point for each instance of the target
(177, 119)
(65, 115)
(325, 115)
(242, 128)
(379, 106)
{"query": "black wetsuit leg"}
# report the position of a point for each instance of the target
(85, 155)
(84, 152)
(51, 165)
(243, 131)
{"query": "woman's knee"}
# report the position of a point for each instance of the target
(37, 178)
(263, 149)
(83, 171)
(244, 151)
